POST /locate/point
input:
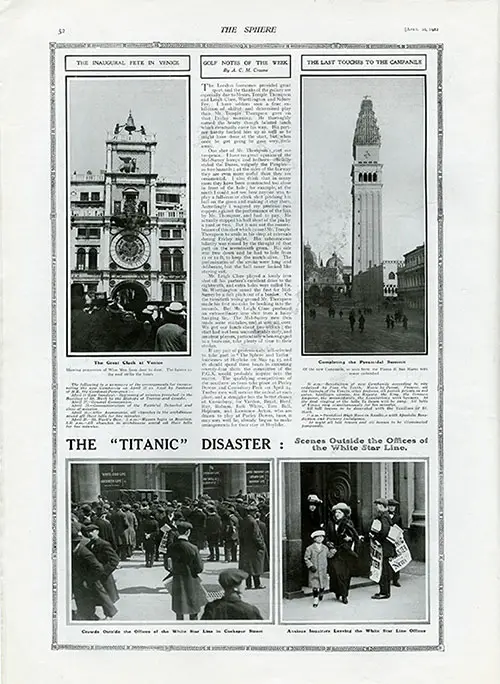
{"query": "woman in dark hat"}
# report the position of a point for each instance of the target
(343, 539)
(188, 594)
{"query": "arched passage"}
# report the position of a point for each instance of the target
(131, 295)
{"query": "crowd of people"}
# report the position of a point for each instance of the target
(359, 317)
(105, 534)
(99, 325)
(332, 548)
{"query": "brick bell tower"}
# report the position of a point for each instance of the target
(366, 189)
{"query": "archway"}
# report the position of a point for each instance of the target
(131, 295)
(328, 295)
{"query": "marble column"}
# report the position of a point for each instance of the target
(85, 482)
(417, 532)
(236, 479)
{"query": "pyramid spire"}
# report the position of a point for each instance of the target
(367, 131)
(130, 125)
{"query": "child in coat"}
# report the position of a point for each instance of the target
(316, 560)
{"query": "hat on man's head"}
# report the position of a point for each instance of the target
(313, 498)
(318, 533)
(183, 526)
(381, 501)
(176, 308)
(393, 502)
(232, 577)
(90, 528)
(342, 507)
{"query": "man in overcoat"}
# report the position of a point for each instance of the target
(86, 581)
(396, 519)
(188, 595)
(252, 548)
(108, 558)
(379, 531)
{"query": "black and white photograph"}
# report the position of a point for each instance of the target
(128, 223)
(364, 217)
(170, 541)
(354, 541)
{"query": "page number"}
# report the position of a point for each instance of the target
(61, 30)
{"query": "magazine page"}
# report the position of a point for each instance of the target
(240, 436)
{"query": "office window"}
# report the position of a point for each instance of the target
(176, 233)
(84, 197)
(95, 196)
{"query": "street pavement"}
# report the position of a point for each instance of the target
(407, 603)
(326, 335)
(144, 598)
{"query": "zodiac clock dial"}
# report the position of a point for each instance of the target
(130, 250)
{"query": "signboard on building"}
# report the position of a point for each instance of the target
(213, 481)
(114, 476)
(257, 478)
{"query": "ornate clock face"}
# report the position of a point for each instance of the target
(367, 154)
(130, 250)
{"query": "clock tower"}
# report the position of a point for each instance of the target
(366, 178)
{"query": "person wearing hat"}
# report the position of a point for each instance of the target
(252, 548)
(379, 532)
(130, 533)
(312, 518)
(150, 529)
(171, 336)
(342, 540)
(188, 594)
(316, 561)
(396, 519)
(105, 527)
(213, 530)
(231, 606)
(120, 524)
(86, 573)
(108, 558)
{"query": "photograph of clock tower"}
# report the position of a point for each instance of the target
(128, 247)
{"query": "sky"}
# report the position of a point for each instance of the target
(158, 104)
(330, 110)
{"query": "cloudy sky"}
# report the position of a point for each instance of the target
(330, 110)
(158, 104)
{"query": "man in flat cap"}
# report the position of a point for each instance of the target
(396, 519)
(379, 532)
(188, 594)
(231, 606)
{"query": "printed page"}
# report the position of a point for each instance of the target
(251, 416)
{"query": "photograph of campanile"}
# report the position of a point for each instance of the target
(364, 215)
(128, 225)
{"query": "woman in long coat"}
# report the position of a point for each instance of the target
(252, 549)
(188, 594)
(342, 539)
